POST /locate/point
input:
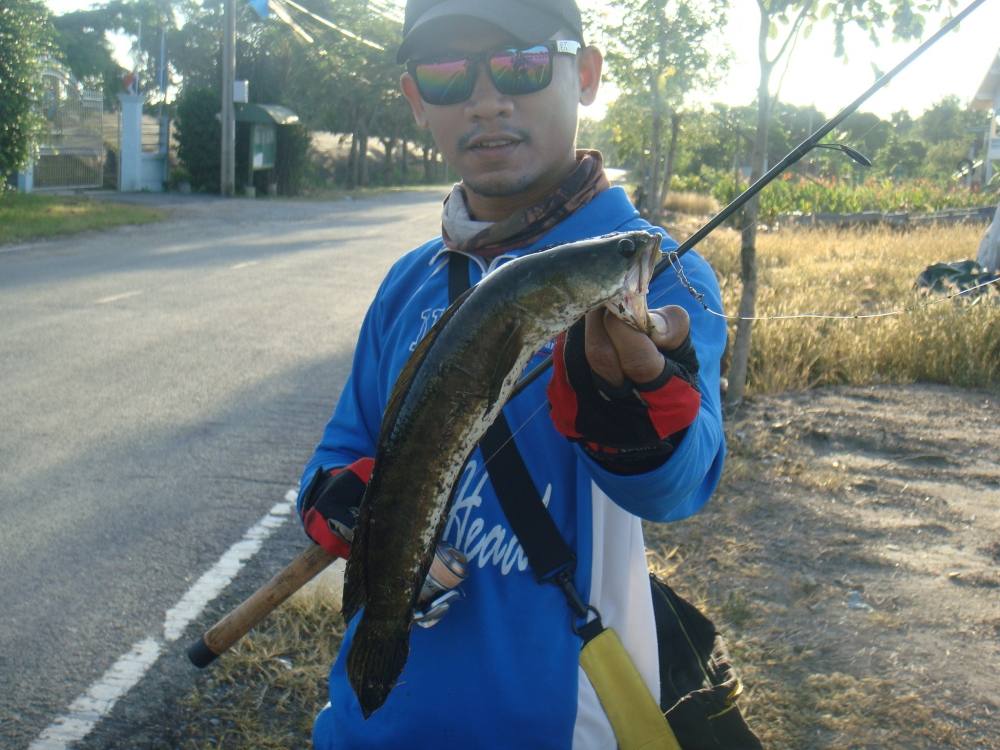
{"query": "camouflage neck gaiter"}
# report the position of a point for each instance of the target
(488, 240)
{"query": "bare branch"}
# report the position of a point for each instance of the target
(793, 32)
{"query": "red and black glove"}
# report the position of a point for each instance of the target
(330, 505)
(631, 428)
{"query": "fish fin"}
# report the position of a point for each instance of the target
(355, 590)
(405, 377)
(375, 661)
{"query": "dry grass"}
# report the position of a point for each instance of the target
(796, 698)
(844, 272)
(265, 692)
(695, 204)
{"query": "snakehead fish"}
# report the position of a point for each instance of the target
(447, 395)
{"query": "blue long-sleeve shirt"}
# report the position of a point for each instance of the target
(501, 668)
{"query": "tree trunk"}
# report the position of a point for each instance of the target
(388, 144)
(655, 151)
(440, 168)
(655, 188)
(352, 170)
(363, 154)
(989, 249)
(427, 165)
(675, 129)
(404, 161)
(739, 364)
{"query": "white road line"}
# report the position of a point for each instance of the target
(214, 580)
(117, 297)
(246, 264)
(97, 701)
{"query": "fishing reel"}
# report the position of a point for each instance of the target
(448, 569)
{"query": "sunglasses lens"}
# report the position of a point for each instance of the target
(521, 71)
(445, 82)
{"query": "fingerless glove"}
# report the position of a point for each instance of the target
(628, 429)
(330, 505)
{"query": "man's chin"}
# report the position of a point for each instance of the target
(499, 185)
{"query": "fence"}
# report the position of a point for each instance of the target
(898, 220)
(71, 153)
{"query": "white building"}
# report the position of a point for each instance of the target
(987, 98)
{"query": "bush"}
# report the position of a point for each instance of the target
(25, 34)
(790, 194)
(292, 158)
(199, 138)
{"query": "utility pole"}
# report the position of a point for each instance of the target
(228, 180)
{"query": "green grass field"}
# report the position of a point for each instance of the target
(24, 218)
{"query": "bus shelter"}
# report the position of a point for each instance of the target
(257, 144)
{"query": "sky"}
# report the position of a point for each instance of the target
(956, 65)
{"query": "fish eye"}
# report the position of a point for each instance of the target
(626, 246)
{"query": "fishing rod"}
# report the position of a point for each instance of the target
(793, 156)
(311, 561)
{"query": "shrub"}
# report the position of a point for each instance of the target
(25, 35)
(790, 194)
(199, 138)
(292, 158)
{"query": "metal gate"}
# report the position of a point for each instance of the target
(71, 153)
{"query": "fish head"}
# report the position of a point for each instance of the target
(639, 252)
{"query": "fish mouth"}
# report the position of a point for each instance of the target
(630, 304)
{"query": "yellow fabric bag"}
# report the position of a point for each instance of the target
(634, 714)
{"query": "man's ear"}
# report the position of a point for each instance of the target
(590, 63)
(409, 87)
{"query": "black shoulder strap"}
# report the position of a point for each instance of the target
(550, 557)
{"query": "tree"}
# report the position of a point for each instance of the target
(25, 34)
(657, 56)
(947, 128)
(783, 20)
(82, 43)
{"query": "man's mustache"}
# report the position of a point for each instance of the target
(514, 134)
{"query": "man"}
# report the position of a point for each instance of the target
(634, 426)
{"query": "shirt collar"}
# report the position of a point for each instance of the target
(608, 210)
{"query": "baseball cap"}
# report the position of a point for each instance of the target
(527, 20)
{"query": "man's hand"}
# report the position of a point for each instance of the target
(617, 352)
(626, 397)
(330, 505)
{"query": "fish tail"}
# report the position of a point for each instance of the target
(376, 659)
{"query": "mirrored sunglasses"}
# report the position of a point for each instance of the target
(513, 70)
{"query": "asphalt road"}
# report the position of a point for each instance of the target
(160, 389)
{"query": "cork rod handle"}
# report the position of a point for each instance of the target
(217, 640)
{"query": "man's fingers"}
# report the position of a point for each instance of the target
(616, 350)
(638, 356)
(601, 352)
(671, 325)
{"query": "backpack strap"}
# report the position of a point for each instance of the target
(635, 717)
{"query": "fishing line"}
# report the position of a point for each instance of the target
(678, 269)
(790, 159)
(535, 413)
